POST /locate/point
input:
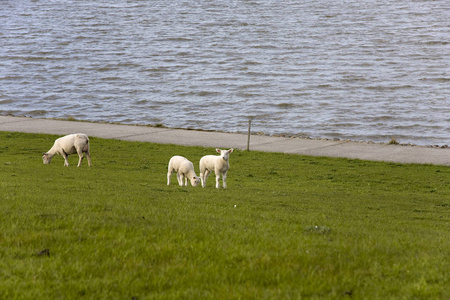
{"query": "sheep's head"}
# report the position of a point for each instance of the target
(195, 181)
(46, 158)
(225, 154)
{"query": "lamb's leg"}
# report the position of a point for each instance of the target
(185, 181)
(169, 174)
(80, 159)
(66, 162)
(224, 180)
(88, 155)
(203, 177)
(217, 180)
(180, 180)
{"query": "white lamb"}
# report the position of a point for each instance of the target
(69, 144)
(184, 169)
(219, 164)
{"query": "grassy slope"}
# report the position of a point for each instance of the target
(288, 226)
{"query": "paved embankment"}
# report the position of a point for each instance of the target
(366, 151)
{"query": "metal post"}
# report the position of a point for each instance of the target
(248, 139)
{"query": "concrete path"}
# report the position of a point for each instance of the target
(365, 151)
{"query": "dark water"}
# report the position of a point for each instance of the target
(359, 70)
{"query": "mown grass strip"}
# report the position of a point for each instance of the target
(288, 226)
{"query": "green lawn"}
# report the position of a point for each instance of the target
(287, 226)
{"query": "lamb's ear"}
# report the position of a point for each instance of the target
(230, 150)
(43, 153)
(218, 150)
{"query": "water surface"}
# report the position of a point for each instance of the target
(358, 70)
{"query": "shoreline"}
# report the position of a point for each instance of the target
(214, 139)
(393, 140)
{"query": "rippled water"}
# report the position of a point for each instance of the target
(359, 70)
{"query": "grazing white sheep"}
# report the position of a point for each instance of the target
(184, 169)
(217, 163)
(69, 144)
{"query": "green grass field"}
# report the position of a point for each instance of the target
(287, 226)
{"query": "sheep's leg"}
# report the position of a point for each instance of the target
(66, 162)
(180, 179)
(88, 155)
(185, 181)
(201, 179)
(169, 174)
(204, 177)
(224, 180)
(81, 156)
(217, 180)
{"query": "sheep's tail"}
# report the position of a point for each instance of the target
(86, 147)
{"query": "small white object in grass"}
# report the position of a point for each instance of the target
(235, 205)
